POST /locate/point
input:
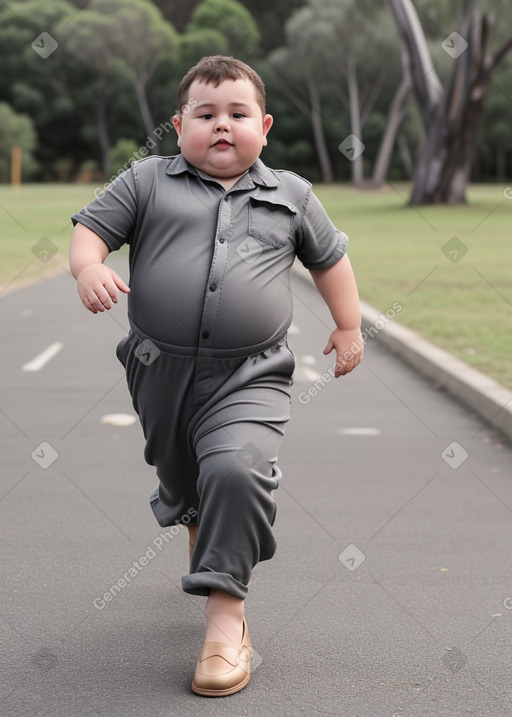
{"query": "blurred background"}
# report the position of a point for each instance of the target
(83, 98)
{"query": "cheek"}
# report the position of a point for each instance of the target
(252, 140)
(193, 141)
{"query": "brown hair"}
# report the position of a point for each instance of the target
(214, 70)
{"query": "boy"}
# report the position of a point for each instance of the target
(213, 234)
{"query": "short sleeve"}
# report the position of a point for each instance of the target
(320, 244)
(113, 213)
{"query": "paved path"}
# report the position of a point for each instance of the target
(390, 594)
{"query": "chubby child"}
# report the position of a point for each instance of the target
(213, 234)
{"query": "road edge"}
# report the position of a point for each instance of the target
(489, 399)
(19, 284)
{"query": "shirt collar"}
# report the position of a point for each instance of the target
(178, 165)
(259, 173)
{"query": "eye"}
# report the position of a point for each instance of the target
(206, 116)
(238, 115)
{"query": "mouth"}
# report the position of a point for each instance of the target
(222, 143)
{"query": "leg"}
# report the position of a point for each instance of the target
(236, 439)
(192, 537)
(162, 397)
(236, 513)
(224, 615)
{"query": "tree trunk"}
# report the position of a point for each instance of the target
(501, 165)
(395, 118)
(451, 118)
(447, 155)
(314, 116)
(405, 155)
(103, 137)
(318, 132)
(430, 162)
(355, 119)
(149, 125)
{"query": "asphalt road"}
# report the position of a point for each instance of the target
(391, 591)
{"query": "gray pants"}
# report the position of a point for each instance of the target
(213, 427)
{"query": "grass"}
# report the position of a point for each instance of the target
(29, 214)
(462, 303)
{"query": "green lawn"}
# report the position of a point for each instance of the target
(460, 302)
(29, 214)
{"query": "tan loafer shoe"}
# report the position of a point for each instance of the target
(223, 669)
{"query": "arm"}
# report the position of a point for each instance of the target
(97, 284)
(337, 286)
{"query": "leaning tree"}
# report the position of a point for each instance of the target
(451, 114)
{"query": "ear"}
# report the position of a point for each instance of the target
(176, 121)
(268, 121)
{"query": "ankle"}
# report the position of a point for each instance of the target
(225, 629)
(192, 534)
(222, 603)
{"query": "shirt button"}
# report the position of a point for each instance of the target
(221, 240)
(213, 287)
(205, 334)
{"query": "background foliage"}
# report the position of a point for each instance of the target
(89, 105)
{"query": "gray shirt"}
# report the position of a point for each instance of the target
(209, 268)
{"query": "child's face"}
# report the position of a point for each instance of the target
(224, 133)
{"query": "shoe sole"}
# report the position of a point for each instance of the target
(221, 693)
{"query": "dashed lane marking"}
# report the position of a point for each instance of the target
(43, 358)
(359, 431)
(118, 419)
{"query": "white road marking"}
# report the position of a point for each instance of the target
(42, 359)
(359, 431)
(118, 419)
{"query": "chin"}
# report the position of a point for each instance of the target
(227, 172)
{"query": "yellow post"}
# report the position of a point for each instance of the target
(16, 166)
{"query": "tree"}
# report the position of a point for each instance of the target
(327, 55)
(451, 114)
(177, 12)
(200, 42)
(128, 37)
(15, 129)
(231, 21)
(122, 154)
(271, 16)
(494, 140)
(38, 84)
(86, 41)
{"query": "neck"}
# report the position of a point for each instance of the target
(227, 183)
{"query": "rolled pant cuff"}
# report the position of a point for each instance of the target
(166, 516)
(202, 583)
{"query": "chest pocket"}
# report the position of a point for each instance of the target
(271, 221)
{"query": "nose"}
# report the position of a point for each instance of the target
(222, 124)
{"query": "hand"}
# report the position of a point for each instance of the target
(349, 347)
(97, 286)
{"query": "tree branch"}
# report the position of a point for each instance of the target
(501, 54)
(425, 81)
(369, 101)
